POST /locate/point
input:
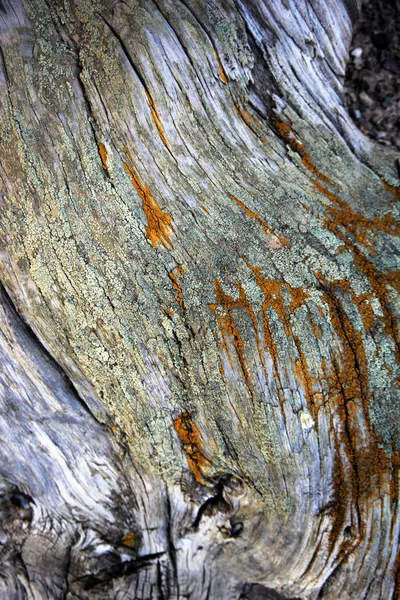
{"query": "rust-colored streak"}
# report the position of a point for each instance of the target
(365, 309)
(229, 329)
(129, 540)
(392, 189)
(159, 228)
(174, 275)
(393, 279)
(367, 472)
(342, 215)
(362, 470)
(307, 381)
(272, 291)
(103, 155)
(342, 220)
(222, 74)
(291, 138)
(251, 122)
(155, 115)
(266, 228)
(191, 440)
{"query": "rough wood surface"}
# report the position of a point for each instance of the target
(199, 341)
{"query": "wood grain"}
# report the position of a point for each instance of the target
(199, 312)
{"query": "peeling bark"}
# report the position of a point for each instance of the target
(199, 340)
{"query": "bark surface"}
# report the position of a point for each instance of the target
(199, 344)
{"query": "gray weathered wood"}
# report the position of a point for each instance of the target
(199, 257)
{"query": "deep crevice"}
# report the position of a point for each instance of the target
(28, 330)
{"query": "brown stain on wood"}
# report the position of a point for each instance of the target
(266, 228)
(251, 122)
(371, 472)
(174, 275)
(155, 115)
(159, 228)
(103, 155)
(343, 219)
(394, 190)
(272, 292)
(342, 215)
(362, 469)
(292, 139)
(129, 540)
(192, 442)
(222, 74)
(229, 329)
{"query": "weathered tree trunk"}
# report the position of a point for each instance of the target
(199, 343)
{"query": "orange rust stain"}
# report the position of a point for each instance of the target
(168, 311)
(266, 228)
(342, 215)
(103, 155)
(307, 381)
(393, 279)
(343, 220)
(365, 309)
(292, 139)
(222, 75)
(159, 228)
(173, 275)
(129, 540)
(392, 189)
(272, 290)
(362, 470)
(362, 302)
(316, 330)
(155, 115)
(367, 474)
(251, 122)
(229, 328)
(191, 440)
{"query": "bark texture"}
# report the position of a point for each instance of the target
(199, 257)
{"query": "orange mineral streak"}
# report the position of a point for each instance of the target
(272, 291)
(291, 138)
(392, 189)
(308, 382)
(393, 279)
(174, 275)
(362, 302)
(159, 228)
(266, 228)
(343, 220)
(155, 115)
(229, 329)
(251, 122)
(222, 75)
(362, 469)
(343, 216)
(129, 540)
(191, 440)
(103, 155)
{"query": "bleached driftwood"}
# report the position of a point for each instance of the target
(200, 290)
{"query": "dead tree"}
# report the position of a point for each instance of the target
(199, 376)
